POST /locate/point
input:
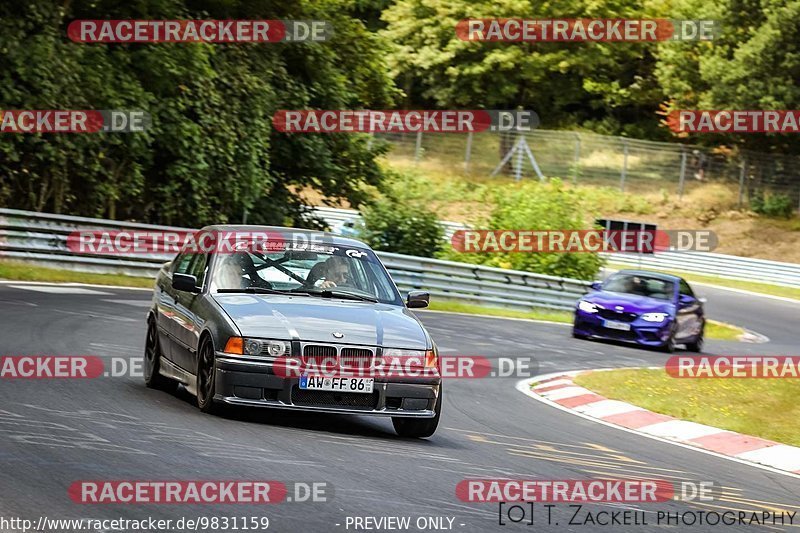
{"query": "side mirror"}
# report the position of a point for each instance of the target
(417, 299)
(185, 282)
(684, 300)
(596, 285)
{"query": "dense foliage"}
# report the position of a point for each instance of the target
(548, 206)
(614, 88)
(211, 153)
(400, 220)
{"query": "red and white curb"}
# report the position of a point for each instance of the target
(558, 390)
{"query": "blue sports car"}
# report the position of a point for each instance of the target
(647, 308)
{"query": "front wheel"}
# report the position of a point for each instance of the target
(697, 345)
(206, 376)
(669, 344)
(419, 428)
(152, 361)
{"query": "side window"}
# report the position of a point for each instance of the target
(197, 268)
(359, 276)
(685, 288)
(380, 281)
(181, 263)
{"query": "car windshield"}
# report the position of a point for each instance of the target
(659, 289)
(352, 273)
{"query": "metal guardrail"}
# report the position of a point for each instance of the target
(716, 265)
(704, 263)
(41, 238)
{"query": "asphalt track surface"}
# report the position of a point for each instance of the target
(56, 432)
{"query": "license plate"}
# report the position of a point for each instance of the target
(613, 324)
(337, 384)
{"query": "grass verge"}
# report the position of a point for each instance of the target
(536, 314)
(765, 408)
(18, 271)
(714, 330)
(753, 286)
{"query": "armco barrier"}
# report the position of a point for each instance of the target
(709, 264)
(42, 238)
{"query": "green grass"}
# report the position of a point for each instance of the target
(764, 288)
(534, 314)
(18, 271)
(766, 408)
(722, 331)
(714, 330)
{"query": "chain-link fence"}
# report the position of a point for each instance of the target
(586, 158)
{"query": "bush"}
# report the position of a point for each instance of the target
(399, 220)
(772, 205)
(537, 207)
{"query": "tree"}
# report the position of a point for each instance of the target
(608, 86)
(211, 154)
(754, 64)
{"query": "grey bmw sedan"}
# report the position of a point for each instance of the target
(298, 320)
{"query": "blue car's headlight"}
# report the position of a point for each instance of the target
(587, 307)
(655, 317)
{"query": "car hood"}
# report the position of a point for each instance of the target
(314, 319)
(630, 303)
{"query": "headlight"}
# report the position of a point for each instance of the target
(655, 317)
(587, 307)
(258, 347)
(396, 356)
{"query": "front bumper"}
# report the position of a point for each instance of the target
(242, 381)
(641, 332)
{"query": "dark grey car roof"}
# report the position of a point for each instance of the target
(329, 237)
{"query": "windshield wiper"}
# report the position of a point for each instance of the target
(328, 293)
(256, 290)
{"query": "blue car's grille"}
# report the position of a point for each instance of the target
(621, 316)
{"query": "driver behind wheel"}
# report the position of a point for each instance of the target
(331, 273)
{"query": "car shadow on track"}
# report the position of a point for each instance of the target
(349, 425)
(645, 349)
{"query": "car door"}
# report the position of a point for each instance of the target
(187, 323)
(166, 306)
(689, 312)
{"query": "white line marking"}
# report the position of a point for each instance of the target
(55, 289)
(136, 303)
(751, 293)
(51, 283)
(553, 383)
(605, 408)
(680, 430)
(565, 392)
(780, 456)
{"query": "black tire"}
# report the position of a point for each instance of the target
(669, 344)
(419, 428)
(697, 345)
(152, 361)
(206, 375)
